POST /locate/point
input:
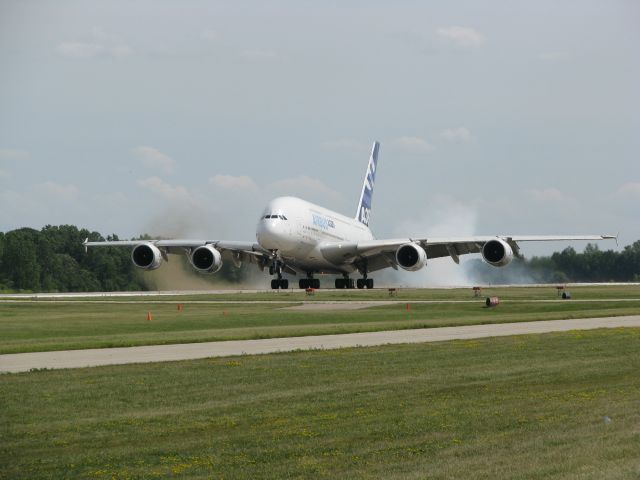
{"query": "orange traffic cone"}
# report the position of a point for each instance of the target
(408, 307)
(149, 317)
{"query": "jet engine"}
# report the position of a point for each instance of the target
(206, 259)
(497, 253)
(411, 257)
(146, 256)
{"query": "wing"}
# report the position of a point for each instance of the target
(380, 254)
(239, 249)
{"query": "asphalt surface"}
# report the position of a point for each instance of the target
(23, 362)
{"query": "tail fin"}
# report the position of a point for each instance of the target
(364, 205)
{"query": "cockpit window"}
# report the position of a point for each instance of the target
(281, 217)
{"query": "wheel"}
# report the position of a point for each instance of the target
(369, 282)
(284, 284)
(339, 282)
(303, 283)
(351, 283)
(275, 284)
(360, 283)
(315, 283)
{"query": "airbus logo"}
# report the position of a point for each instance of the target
(322, 222)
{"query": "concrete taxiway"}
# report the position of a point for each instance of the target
(23, 362)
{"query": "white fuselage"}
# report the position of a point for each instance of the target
(297, 230)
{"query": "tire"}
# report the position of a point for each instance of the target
(315, 283)
(351, 283)
(275, 284)
(284, 284)
(303, 283)
(339, 283)
(360, 283)
(369, 283)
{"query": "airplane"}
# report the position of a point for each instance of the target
(297, 237)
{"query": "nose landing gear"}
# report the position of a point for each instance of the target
(276, 269)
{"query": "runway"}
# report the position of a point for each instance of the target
(24, 362)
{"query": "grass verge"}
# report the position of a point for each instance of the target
(55, 325)
(529, 407)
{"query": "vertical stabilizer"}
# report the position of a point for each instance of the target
(364, 205)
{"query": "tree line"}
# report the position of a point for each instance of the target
(592, 265)
(53, 259)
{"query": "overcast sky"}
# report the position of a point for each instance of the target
(185, 118)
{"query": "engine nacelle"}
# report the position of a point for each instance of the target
(411, 257)
(146, 256)
(497, 253)
(206, 259)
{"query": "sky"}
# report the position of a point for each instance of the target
(183, 119)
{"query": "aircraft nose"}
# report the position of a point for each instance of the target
(274, 234)
(267, 233)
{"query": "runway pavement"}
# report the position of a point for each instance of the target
(23, 362)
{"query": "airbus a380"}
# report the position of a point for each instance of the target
(299, 238)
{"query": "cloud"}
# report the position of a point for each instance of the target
(304, 186)
(545, 195)
(55, 192)
(229, 182)
(347, 144)
(463, 37)
(412, 145)
(99, 44)
(209, 35)
(85, 50)
(553, 56)
(13, 154)
(111, 199)
(457, 135)
(630, 188)
(154, 159)
(164, 190)
(259, 55)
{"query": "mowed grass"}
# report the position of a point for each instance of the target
(529, 407)
(56, 325)
(546, 292)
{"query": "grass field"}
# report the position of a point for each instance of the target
(57, 325)
(530, 407)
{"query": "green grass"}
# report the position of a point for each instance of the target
(56, 325)
(514, 293)
(530, 407)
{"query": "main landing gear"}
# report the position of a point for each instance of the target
(309, 282)
(360, 283)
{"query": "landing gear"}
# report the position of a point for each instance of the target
(282, 283)
(309, 282)
(276, 269)
(345, 282)
(364, 283)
